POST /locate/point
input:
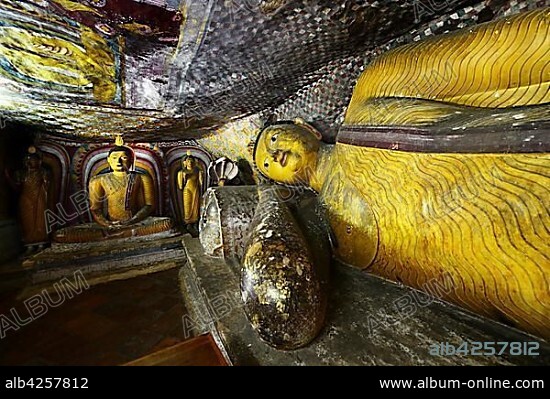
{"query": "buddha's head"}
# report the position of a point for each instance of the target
(120, 159)
(286, 153)
(188, 162)
(33, 162)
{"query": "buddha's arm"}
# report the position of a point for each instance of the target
(48, 188)
(180, 180)
(97, 195)
(148, 196)
(100, 219)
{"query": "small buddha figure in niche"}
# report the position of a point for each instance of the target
(190, 181)
(441, 181)
(121, 203)
(33, 183)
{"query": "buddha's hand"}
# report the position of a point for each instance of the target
(114, 224)
(100, 219)
(127, 222)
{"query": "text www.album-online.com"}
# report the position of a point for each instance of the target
(486, 383)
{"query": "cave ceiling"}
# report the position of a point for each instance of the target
(175, 69)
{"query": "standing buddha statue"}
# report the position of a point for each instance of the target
(190, 180)
(34, 186)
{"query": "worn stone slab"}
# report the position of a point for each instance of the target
(95, 278)
(71, 253)
(364, 326)
(104, 262)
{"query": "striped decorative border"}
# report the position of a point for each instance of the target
(495, 139)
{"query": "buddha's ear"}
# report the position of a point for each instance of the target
(310, 128)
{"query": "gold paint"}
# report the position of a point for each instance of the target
(121, 203)
(412, 217)
(286, 153)
(416, 112)
(270, 6)
(254, 249)
(255, 321)
(100, 65)
(87, 233)
(75, 6)
(113, 188)
(119, 141)
(48, 59)
(350, 215)
(481, 219)
(190, 179)
(231, 139)
(135, 27)
(493, 65)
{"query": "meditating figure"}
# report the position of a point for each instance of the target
(122, 197)
(121, 203)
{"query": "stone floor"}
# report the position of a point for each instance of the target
(363, 326)
(108, 324)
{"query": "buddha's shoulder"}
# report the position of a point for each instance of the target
(98, 178)
(101, 179)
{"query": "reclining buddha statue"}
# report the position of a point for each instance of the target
(441, 168)
(121, 203)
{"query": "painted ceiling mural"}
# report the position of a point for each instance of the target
(177, 69)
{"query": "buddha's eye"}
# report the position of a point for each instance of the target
(266, 164)
(274, 138)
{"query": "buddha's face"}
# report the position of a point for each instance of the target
(188, 163)
(287, 153)
(33, 163)
(119, 161)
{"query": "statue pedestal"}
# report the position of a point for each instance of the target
(92, 232)
(104, 261)
(355, 333)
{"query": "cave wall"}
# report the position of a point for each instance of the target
(323, 100)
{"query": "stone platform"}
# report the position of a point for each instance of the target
(363, 327)
(101, 262)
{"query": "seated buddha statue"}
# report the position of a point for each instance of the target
(121, 203)
(435, 178)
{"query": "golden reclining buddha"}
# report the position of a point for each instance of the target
(441, 169)
(121, 203)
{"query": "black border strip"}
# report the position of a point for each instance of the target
(524, 139)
